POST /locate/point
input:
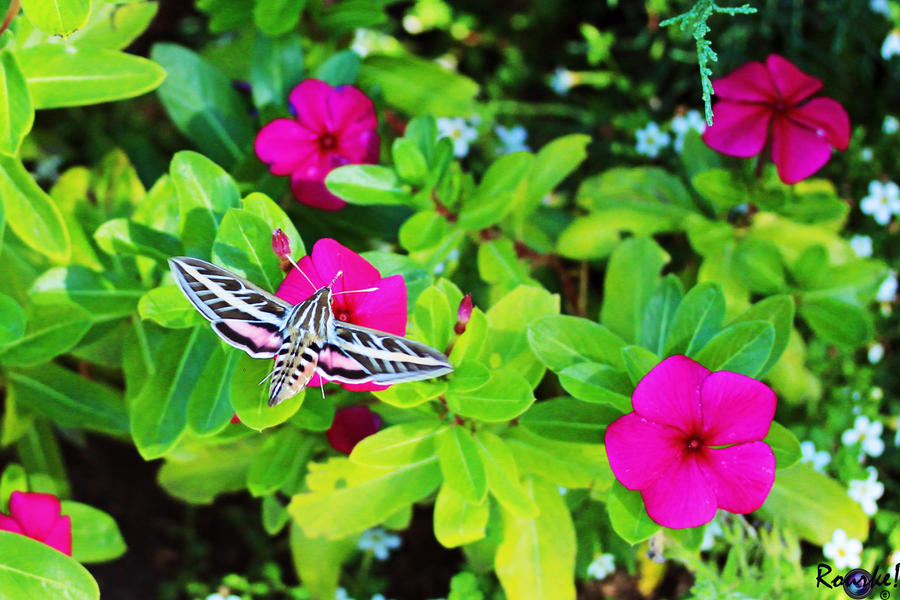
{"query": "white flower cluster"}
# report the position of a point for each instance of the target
(379, 541)
(652, 139)
(882, 202)
(819, 459)
(867, 491)
(867, 434)
(843, 550)
(461, 132)
(602, 566)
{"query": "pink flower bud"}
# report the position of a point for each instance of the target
(235, 419)
(38, 516)
(350, 426)
(463, 314)
(281, 245)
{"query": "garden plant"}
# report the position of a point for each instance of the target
(593, 299)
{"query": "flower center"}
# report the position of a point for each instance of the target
(343, 316)
(694, 444)
(328, 141)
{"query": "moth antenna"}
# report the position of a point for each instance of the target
(305, 276)
(339, 273)
(322, 388)
(263, 380)
(371, 289)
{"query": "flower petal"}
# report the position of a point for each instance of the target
(670, 394)
(329, 257)
(349, 106)
(359, 145)
(736, 409)
(741, 475)
(286, 146)
(310, 100)
(60, 536)
(350, 425)
(750, 82)
(640, 451)
(295, 288)
(308, 186)
(10, 524)
(827, 115)
(36, 513)
(793, 85)
(797, 151)
(681, 497)
(739, 128)
(384, 309)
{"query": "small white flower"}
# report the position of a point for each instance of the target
(562, 80)
(379, 541)
(713, 530)
(682, 124)
(842, 550)
(866, 154)
(882, 202)
(221, 597)
(887, 291)
(891, 45)
(459, 132)
(890, 124)
(512, 139)
(867, 434)
(862, 245)
(881, 7)
(650, 140)
(341, 594)
(876, 353)
(602, 566)
(867, 491)
(818, 459)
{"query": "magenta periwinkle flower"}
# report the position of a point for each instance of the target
(764, 104)
(694, 443)
(333, 126)
(350, 426)
(383, 308)
(38, 517)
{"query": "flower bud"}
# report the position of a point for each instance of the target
(350, 426)
(281, 245)
(463, 314)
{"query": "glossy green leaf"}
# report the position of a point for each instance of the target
(168, 306)
(593, 382)
(498, 263)
(274, 515)
(283, 456)
(503, 475)
(276, 67)
(69, 399)
(197, 474)
(57, 17)
(659, 314)
(536, 559)
(12, 321)
(30, 212)
(95, 535)
(784, 444)
(274, 17)
(318, 560)
(743, 348)
(628, 516)
(114, 26)
(122, 236)
(16, 110)
(433, 318)
(552, 164)
(423, 230)
(813, 505)
(14, 479)
(418, 86)
(250, 399)
(202, 103)
(779, 311)
(497, 192)
(469, 375)
(209, 407)
(275, 218)
(353, 14)
(409, 161)
(316, 414)
(631, 277)
(41, 455)
(32, 570)
(568, 464)
(638, 362)
(60, 75)
(699, 316)
(457, 521)
(50, 331)
(586, 238)
(569, 420)
(366, 185)
(561, 341)
(505, 396)
(413, 393)
(462, 465)
(760, 265)
(399, 445)
(838, 322)
(243, 245)
(100, 296)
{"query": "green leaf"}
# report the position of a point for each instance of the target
(631, 277)
(586, 238)
(569, 420)
(209, 407)
(432, 318)
(205, 193)
(698, 318)
(462, 466)
(122, 236)
(418, 86)
(14, 479)
(503, 475)
(628, 516)
(505, 396)
(30, 212)
(60, 75)
(570, 465)
(276, 67)
(413, 393)
(399, 445)
(197, 474)
(810, 268)
(760, 265)
(57, 17)
(366, 185)
(16, 110)
(469, 375)
(274, 17)
(114, 26)
(552, 164)
(720, 188)
(784, 444)
(203, 104)
(283, 456)
(458, 521)
(95, 535)
(352, 14)
(32, 570)
(423, 230)
(838, 322)
(593, 382)
(41, 456)
(12, 321)
(341, 68)
(471, 343)
(659, 315)
(68, 398)
(813, 505)
(560, 341)
(318, 560)
(495, 196)
(409, 161)
(536, 559)
(168, 306)
(275, 218)
(779, 311)
(251, 400)
(743, 348)
(498, 263)
(638, 362)
(274, 516)
(243, 245)
(49, 332)
(88, 289)
(338, 512)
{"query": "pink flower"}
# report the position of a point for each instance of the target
(334, 126)
(693, 443)
(463, 314)
(350, 426)
(383, 309)
(281, 245)
(38, 517)
(761, 103)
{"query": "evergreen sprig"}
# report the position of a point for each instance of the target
(694, 22)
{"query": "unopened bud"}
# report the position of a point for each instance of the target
(350, 426)
(463, 314)
(281, 245)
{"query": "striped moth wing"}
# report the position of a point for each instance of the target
(244, 315)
